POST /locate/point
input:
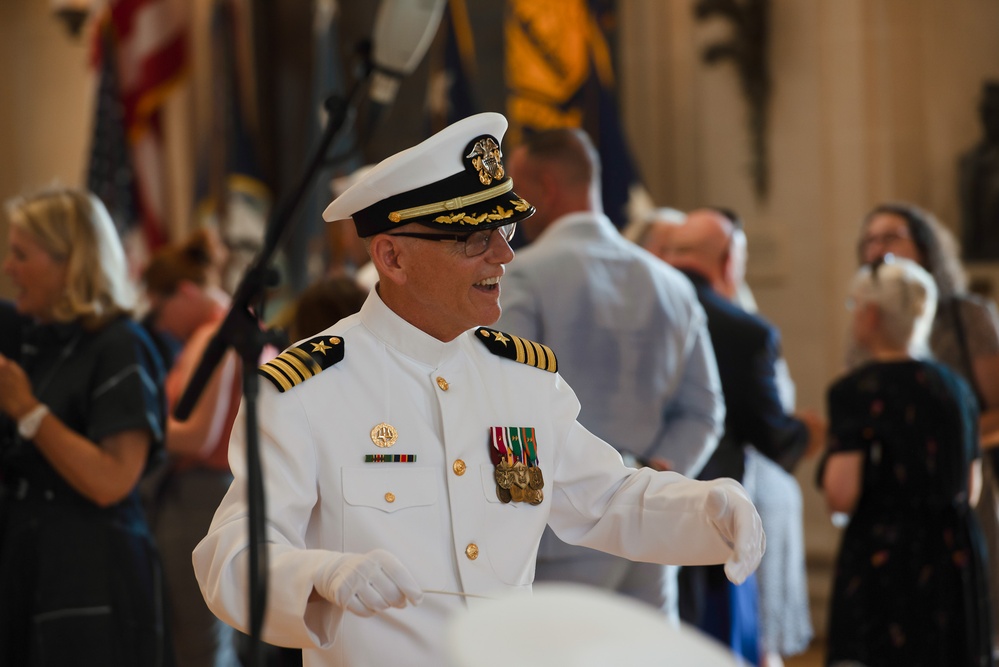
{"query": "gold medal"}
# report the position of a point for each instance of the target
(503, 494)
(535, 478)
(504, 479)
(384, 435)
(520, 475)
(534, 496)
(503, 475)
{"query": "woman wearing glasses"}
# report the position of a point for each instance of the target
(964, 337)
(902, 461)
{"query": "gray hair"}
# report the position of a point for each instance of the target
(906, 295)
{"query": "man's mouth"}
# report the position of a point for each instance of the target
(489, 283)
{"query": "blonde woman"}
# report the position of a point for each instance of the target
(81, 414)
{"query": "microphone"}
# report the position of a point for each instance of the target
(403, 32)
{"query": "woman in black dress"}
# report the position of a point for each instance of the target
(903, 460)
(964, 337)
(81, 415)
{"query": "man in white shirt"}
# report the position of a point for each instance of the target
(631, 336)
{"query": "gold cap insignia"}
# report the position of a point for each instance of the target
(487, 158)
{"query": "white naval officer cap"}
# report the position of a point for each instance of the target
(568, 624)
(453, 181)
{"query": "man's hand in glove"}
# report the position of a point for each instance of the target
(366, 584)
(738, 523)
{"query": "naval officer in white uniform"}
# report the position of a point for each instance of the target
(413, 457)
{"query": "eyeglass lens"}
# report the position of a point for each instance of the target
(882, 239)
(477, 242)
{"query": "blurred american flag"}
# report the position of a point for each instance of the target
(141, 50)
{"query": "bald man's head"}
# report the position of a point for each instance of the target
(703, 244)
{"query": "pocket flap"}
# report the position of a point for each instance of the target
(389, 490)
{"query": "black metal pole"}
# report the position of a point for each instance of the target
(241, 330)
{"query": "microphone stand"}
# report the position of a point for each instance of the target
(241, 330)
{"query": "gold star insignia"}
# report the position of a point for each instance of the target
(321, 346)
(500, 338)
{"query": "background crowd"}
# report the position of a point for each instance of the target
(86, 384)
(892, 480)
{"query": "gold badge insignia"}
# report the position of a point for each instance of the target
(384, 435)
(487, 158)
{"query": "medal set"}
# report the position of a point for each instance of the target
(518, 476)
(514, 452)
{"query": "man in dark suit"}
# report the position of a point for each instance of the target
(709, 248)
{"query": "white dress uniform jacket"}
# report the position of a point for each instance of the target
(440, 514)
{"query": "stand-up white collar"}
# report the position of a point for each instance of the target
(403, 336)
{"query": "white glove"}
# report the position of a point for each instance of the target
(366, 584)
(739, 525)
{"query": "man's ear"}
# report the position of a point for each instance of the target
(726, 278)
(385, 253)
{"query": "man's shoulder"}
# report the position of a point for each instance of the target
(517, 349)
(723, 314)
(665, 272)
(303, 361)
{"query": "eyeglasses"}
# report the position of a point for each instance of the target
(884, 240)
(476, 243)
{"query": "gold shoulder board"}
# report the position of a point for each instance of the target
(297, 364)
(519, 349)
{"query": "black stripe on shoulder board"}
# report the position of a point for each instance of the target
(518, 349)
(307, 359)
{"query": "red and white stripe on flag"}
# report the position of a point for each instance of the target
(150, 51)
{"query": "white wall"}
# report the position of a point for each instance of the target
(45, 112)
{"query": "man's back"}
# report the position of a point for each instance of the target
(748, 357)
(631, 333)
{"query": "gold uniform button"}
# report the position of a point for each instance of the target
(390, 497)
(472, 551)
(458, 467)
(442, 383)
